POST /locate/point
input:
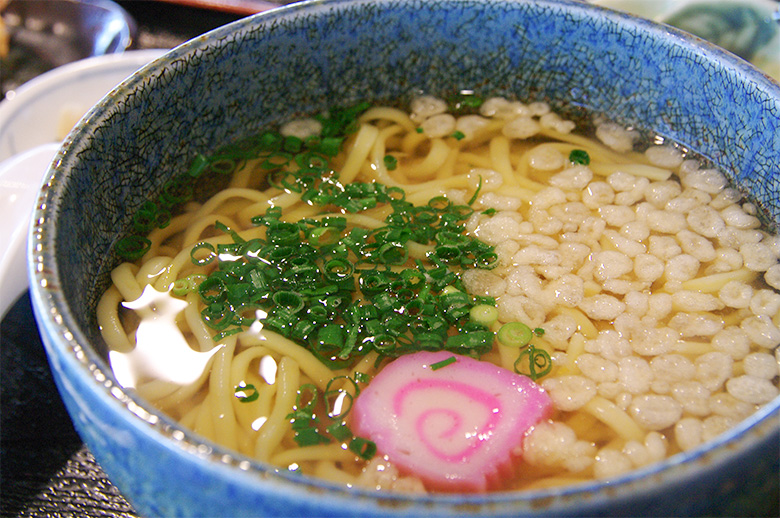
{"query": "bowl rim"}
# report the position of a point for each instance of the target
(54, 314)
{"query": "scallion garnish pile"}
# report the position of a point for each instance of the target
(304, 276)
(332, 286)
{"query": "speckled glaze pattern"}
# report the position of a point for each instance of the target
(229, 83)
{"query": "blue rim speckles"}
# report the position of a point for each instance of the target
(232, 82)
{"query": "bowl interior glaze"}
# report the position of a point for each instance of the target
(299, 59)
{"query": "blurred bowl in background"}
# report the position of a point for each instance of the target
(748, 28)
(46, 34)
(20, 178)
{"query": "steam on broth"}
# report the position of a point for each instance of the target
(635, 288)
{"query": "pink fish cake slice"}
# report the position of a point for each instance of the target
(458, 427)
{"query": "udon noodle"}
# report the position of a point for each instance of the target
(651, 279)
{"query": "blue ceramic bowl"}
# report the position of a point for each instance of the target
(231, 82)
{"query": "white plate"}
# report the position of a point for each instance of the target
(20, 178)
(33, 121)
(44, 109)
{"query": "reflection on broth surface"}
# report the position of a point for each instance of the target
(623, 300)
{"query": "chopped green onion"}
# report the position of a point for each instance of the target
(339, 401)
(308, 435)
(183, 286)
(473, 343)
(292, 144)
(320, 236)
(443, 363)
(340, 431)
(390, 162)
(514, 334)
(149, 216)
(175, 191)
(303, 275)
(330, 146)
(200, 258)
(533, 362)
(486, 261)
(458, 135)
(224, 228)
(579, 156)
(476, 193)
(246, 393)
(363, 448)
(223, 166)
(224, 334)
(291, 301)
(440, 203)
(218, 316)
(362, 377)
(483, 314)
(465, 102)
(133, 247)
(198, 165)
